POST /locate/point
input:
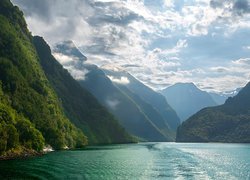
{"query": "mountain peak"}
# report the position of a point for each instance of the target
(181, 86)
(68, 49)
(187, 99)
(112, 67)
(187, 84)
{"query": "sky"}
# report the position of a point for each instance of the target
(160, 42)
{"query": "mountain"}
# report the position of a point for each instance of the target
(30, 111)
(151, 113)
(220, 98)
(127, 111)
(155, 99)
(187, 99)
(229, 122)
(80, 106)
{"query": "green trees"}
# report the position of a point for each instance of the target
(16, 131)
(229, 122)
(30, 111)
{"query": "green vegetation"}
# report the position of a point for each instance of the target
(30, 112)
(80, 106)
(15, 130)
(229, 122)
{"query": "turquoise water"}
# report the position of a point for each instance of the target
(137, 161)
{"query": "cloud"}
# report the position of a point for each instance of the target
(159, 42)
(112, 103)
(222, 83)
(246, 47)
(40, 9)
(78, 74)
(113, 13)
(73, 64)
(237, 7)
(64, 59)
(242, 61)
(241, 7)
(219, 69)
(122, 80)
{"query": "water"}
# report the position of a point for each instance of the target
(137, 161)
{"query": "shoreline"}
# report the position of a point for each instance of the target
(25, 154)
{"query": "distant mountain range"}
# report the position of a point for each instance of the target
(138, 116)
(229, 122)
(220, 98)
(187, 99)
(155, 99)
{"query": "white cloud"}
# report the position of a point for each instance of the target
(121, 80)
(151, 43)
(169, 3)
(78, 74)
(219, 69)
(242, 62)
(222, 83)
(112, 103)
(71, 63)
(246, 47)
(64, 59)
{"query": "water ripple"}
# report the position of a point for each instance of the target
(138, 161)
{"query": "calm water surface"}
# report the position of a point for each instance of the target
(137, 161)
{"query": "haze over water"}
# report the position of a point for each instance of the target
(137, 161)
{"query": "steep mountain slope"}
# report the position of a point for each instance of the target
(129, 113)
(156, 100)
(229, 122)
(150, 112)
(80, 106)
(187, 99)
(31, 111)
(220, 98)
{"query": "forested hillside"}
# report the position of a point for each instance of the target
(30, 111)
(229, 122)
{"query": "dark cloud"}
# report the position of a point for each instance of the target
(39, 8)
(131, 66)
(98, 49)
(216, 4)
(111, 12)
(239, 7)
(121, 20)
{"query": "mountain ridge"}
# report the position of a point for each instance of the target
(79, 104)
(155, 99)
(122, 106)
(187, 99)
